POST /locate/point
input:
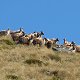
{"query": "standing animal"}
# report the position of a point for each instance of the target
(16, 35)
(50, 42)
(76, 47)
(39, 34)
(5, 32)
(72, 48)
(36, 34)
(66, 43)
(25, 40)
(39, 41)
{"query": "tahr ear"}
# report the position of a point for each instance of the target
(34, 32)
(57, 39)
(42, 32)
(72, 42)
(21, 29)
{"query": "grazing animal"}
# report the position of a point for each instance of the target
(8, 31)
(35, 35)
(39, 41)
(76, 47)
(72, 48)
(66, 43)
(51, 42)
(16, 35)
(30, 35)
(5, 32)
(25, 40)
(39, 34)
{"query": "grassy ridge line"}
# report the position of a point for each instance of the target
(20, 62)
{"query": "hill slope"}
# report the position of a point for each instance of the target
(21, 62)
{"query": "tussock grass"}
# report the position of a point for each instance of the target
(6, 42)
(54, 57)
(13, 77)
(22, 62)
(33, 61)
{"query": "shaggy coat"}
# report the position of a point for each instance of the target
(5, 32)
(35, 35)
(25, 40)
(67, 44)
(51, 42)
(76, 47)
(38, 41)
(16, 35)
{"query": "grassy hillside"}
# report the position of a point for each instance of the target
(21, 62)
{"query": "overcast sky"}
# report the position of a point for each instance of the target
(57, 18)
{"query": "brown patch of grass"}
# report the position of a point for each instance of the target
(8, 42)
(33, 61)
(12, 77)
(57, 74)
(54, 57)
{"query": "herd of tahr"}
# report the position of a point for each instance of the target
(35, 38)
